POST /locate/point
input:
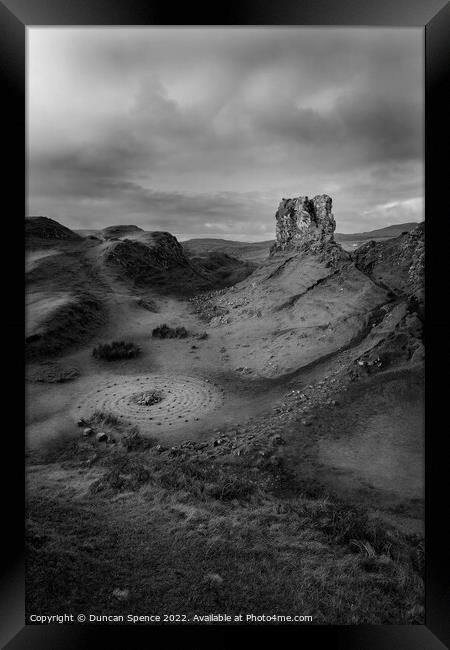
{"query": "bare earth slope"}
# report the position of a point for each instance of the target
(306, 301)
(294, 309)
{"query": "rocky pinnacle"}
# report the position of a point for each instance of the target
(304, 222)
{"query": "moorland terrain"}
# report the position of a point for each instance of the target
(229, 427)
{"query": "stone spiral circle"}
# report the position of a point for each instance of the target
(184, 399)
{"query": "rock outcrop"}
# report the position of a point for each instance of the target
(398, 263)
(302, 222)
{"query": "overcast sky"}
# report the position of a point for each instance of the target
(202, 131)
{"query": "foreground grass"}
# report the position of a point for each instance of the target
(187, 533)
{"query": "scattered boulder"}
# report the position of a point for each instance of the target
(213, 579)
(146, 303)
(121, 594)
(102, 436)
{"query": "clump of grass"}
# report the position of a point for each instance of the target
(166, 332)
(116, 350)
(130, 436)
(103, 417)
(204, 480)
(133, 440)
(231, 488)
(351, 527)
(119, 480)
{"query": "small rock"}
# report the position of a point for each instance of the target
(121, 594)
(81, 422)
(214, 579)
(102, 436)
(88, 432)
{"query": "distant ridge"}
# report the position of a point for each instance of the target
(200, 244)
(257, 251)
(389, 231)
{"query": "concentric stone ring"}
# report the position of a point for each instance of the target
(183, 400)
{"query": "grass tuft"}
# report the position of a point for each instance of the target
(166, 332)
(116, 350)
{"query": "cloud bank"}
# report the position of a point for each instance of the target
(201, 131)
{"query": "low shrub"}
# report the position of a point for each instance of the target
(133, 440)
(103, 417)
(116, 350)
(166, 332)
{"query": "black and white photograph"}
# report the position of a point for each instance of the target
(225, 263)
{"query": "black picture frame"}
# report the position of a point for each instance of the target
(434, 17)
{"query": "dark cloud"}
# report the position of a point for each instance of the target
(203, 130)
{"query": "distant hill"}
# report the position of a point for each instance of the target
(381, 233)
(258, 251)
(120, 231)
(44, 228)
(254, 252)
(248, 251)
